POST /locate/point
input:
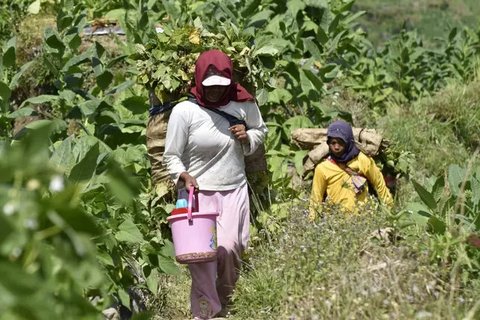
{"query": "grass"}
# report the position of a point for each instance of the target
(439, 130)
(335, 269)
(432, 18)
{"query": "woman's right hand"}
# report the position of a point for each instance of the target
(189, 180)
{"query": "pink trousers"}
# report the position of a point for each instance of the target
(213, 282)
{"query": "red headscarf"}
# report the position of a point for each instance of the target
(222, 63)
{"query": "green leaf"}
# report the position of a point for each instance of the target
(9, 53)
(17, 76)
(456, 175)
(266, 50)
(76, 60)
(22, 112)
(104, 79)
(426, 196)
(298, 160)
(85, 169)
(89, 107)
(44, 98)
(53, 40)
(5, 92)
(34, 7)
(317, 82)
(259, 19)
(17, 281)
(167, 265)
(124, 297)
(129, 232)
(153, 281)
(62, 156)
(262, 96)
(294, 6)
(136, 104)
(436, 225)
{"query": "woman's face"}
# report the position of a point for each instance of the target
(337, 146)
(214, 93)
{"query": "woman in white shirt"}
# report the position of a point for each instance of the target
(203, 150)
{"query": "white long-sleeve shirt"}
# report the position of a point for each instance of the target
(198, 142)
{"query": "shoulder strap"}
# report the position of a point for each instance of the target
(346, 168)
(161, 108)
(232, 120)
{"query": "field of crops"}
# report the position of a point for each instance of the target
(83, 229)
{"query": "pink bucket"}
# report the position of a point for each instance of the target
(194, 235)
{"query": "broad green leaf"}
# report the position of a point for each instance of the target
(104, 79)
(436, 225)
(259, 19)
(312, 47)
(129, 232)
(317, 82)
(85, 169)
(298, 160)
(17, 281)
(250, 8)
(262, 96)
(44, 98)
(426, 196)
(89, 107)
(18, 75)
(167, 250)
(279, 95)
(5, 92)
(124, 297)
(34, 7)
(76, 60)
(266, 50)
(5, 229)
(167, 265)
(456, 175)
(322, 4)
(22, 112)
(438, 188)
(295, 123)
(419, 213)
(62, 156)
(136, 104)
(9, 55)
(329, 71)
(153, 281)
(53, 40)
(294, 6)
(105, 258)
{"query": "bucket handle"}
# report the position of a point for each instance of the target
(190, 201)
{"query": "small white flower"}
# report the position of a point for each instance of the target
(56, 184)
(33, 184)
(31, 224)
(9, 208)
(16, 252)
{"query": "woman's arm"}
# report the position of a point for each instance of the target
(319, 187)
(256, 129)
(175, 142)
(375, 177)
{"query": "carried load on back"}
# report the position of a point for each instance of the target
(369, 141)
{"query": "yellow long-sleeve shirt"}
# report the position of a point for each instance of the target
(331, 180)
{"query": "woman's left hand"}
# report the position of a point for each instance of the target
(240, 132)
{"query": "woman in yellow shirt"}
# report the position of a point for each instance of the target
(342, 177)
